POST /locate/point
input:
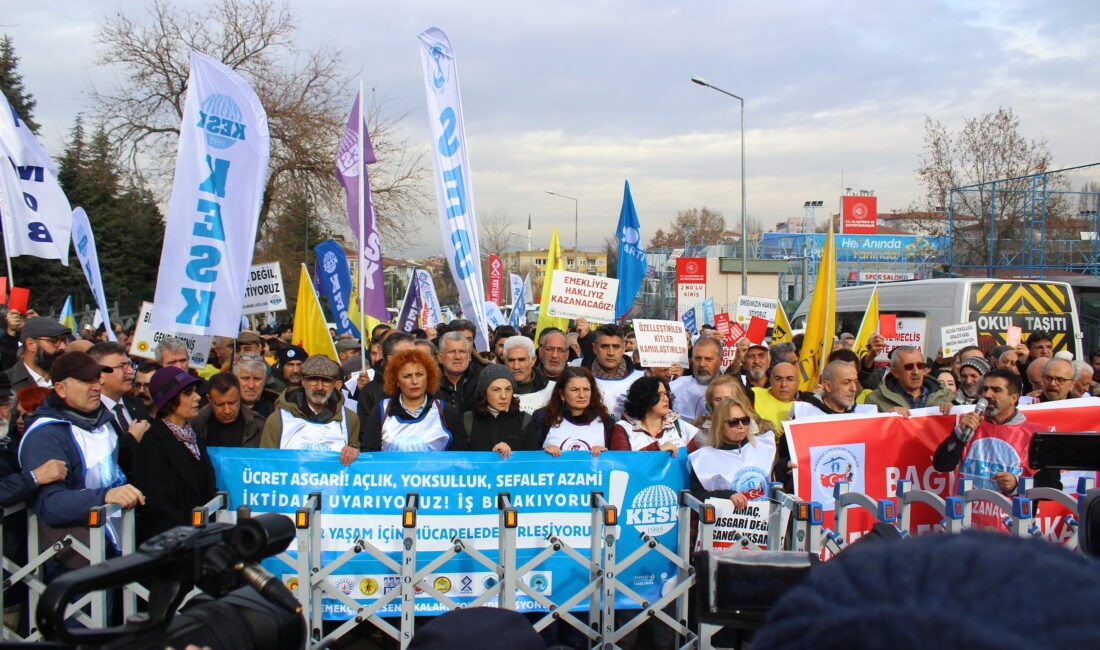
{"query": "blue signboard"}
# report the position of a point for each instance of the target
(857, 248)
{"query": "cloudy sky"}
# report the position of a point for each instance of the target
(575, 97)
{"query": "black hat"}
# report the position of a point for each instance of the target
(43, 327)
(76, 365)
(292, 353)
(491, 373)
(489, 628)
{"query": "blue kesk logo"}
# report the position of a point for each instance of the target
(220, 119)
(439, 69)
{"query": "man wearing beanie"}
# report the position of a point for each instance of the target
(313, 415)
(72, 426)
(971, 372)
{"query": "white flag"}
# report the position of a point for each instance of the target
(433, 314)
(453, 190)
(210, 231)
(84, 242)
(37, 216)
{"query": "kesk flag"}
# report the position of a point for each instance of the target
(335, 280)
(554, 262)
(84, 242)
(408, 318)
(821, 322)
(781, 330)
(354, 155)
(431, 314)
(310, 330)
(518, 317)
(453, 189)
(869, 325)
(210, 230)
(36, 214)
(631, 256)
(67, 318)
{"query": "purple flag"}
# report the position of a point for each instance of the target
(351, 171)
(407, 319)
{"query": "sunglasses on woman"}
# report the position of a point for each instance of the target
(735, 422)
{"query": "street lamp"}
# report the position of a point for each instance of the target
(576, 220)
(744, 234)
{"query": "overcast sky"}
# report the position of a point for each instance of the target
(576, 97)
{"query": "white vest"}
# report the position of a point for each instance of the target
(690, 396)
(299, 433)
(428, 433)
(680, 433)
(614, 392)
(576, 437)
(741, 470)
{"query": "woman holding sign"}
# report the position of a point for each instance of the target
(736, 461)
(575, 418)
(649, 423)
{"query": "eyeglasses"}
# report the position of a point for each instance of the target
(56, 340)
(123, 366)
(738, 422)
(141, 385)
(1056, 380)
(920, 365)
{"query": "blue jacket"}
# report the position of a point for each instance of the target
(64, 503)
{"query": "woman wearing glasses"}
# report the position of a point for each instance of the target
(171, 466)
(736, 461)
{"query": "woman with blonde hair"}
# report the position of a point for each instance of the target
(720, 388)
(736, 461)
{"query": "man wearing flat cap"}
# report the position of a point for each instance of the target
(44, 340)
(313, 415)
(72, 426)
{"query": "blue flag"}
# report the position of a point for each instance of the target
(334, 278)
(631, 257)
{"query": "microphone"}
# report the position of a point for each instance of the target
(980, 407)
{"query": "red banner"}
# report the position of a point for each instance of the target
(691, 270)
(496, 280)
(860, 215)
(873, 452)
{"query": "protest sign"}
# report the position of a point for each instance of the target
(1014, 335)
(957, 337)
(908, 331)
(265, 291)
(749, 306)
(661, 343)
(578, 295)
(691, 283)
(144, 343)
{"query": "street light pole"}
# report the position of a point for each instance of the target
(576, 219)
(744, 228)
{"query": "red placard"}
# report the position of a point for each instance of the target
(722, 326)
(18, 299)
(758, 329)
(496, 280)
(860, 214)
(888, 326)
(3, 291)
(691, 270)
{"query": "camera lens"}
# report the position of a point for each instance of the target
(261, 536)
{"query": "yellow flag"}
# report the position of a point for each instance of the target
(310, 330)
(781, 329)
(821, 323)
(554, 262)
(869, 325)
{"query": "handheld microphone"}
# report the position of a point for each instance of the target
(980, 407)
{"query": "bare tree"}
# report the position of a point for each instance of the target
(702, 225)
(305, 93)
(495, 232)
(987, 148)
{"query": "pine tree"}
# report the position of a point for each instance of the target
(11, 84)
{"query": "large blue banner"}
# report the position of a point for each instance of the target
(856, 248)
(458, 495)
(335, 279)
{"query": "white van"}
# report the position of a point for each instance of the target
(991, 303)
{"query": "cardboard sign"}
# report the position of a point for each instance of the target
(957, 337)
(1014, 335)
(661, 343)
(691, 283)
(19, 299)
(577, 295)
(908, 331)
(146, 338)
(749, 306)
(757, 330)
(265, 291)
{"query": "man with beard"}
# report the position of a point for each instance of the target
(553, 353)
(971, 371)
(755, 366)
(291, 359)
(839, 387)
(908, 386)
(690, 391)
(223, 422)
(140, 386)
(44, 340)
(313, 415)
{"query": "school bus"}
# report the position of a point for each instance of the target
(993, 304)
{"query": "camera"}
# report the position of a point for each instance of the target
(242, 606)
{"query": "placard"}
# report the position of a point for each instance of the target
(265, 290)
(144, 343)
(691, 283)
(956, 337)
(577, 295)
(1014, 335)
(749, 306)
(661, 343)
(909, 331)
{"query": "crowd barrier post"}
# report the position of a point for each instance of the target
(507, 576)
(806, 524)
(884, 510)
(218, 507)
(950, 508)
(408, 569)
(8, 511)
(608, 527)
(308, 526)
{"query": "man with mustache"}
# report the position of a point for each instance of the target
(690, 391)
(44, 340)
(314, 415)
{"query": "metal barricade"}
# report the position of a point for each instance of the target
(951, 508)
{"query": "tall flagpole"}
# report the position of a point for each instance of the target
(361, 155)
(7, 253)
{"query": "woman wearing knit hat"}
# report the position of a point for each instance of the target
(496, 423)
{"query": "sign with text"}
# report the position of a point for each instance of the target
(661, 343)
(457, 498)
(957, 337)
(867, 277)
(265, 291)
(749, 306)
(146, 339)
(577, 295)
(860, 215)
(691, 283)
(909, 331)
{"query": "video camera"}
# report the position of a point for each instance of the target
(1072, 451)
(244, 606)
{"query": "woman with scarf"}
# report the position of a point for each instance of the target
(171, 465)
(649, 423)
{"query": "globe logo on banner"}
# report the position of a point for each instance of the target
(440, 69)
(691, 267)
(653, 510)
(752, 482)
(859, 210)
(833, 465)
(330, 262)
(220, 119)
(631, 235)
(986, 457)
